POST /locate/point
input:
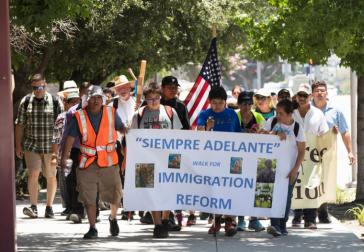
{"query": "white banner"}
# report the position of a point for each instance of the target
(214, 172)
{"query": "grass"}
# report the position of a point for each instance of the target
(358, 213)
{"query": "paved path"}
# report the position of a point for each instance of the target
(59, 235)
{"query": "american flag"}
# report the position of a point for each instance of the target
(209, 76)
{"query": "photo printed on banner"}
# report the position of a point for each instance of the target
(174, 161)
(236, 164)
(144, 175)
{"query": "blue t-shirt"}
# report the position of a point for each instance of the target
(95, 120)
(335, 116)
(226, 120)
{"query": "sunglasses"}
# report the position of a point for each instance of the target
(302, 95)
(259, 97)
(38, 88)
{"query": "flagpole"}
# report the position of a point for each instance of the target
(214, 33)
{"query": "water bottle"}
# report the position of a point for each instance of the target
(67, 169)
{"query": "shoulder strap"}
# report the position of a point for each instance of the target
(140, 115)
(169, 112)
(55, 106)
(296, 128)
(274, 122)
(26, 102)
(115, 103)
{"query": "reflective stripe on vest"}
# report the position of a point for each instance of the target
(83, 161)
(83, 125)
(111, 126)
(88, 151)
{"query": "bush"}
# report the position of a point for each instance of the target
(358, 213)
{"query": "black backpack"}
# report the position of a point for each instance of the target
(55, 105)
(295, 129)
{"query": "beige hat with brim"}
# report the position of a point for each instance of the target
(69, 90)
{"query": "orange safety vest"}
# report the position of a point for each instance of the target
(100, 146)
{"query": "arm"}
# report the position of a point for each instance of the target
(19, 132)
(347, 142)
(300, 156)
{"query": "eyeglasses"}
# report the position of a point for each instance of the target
(151, 100)
(38, 88)
(260, 97)
(302, 95)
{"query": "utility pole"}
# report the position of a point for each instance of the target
(354, 121)
(7, 195)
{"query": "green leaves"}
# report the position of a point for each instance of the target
(303, 30)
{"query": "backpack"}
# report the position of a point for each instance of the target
(55, 105)
(295, 129)
(168, 109)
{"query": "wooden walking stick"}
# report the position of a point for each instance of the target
(143, 65)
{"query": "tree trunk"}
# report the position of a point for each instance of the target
(22, 88)
(360, 185)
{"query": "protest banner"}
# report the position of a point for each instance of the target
(215, 172)
(316, 183)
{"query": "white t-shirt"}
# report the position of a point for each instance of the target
(156, 119)
(289, 131)
(314, 121)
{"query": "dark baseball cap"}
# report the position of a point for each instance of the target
(284, 92)
(168, 80)
(245, 97)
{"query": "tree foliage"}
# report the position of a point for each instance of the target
(93, 39)
(302, 30)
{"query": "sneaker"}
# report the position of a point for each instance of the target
(230, 229)
(310, 225)
(241, 224)
(66, 212)
(91, 234)
(114, 227)
(256, 225)
(191, 220)
(76, 218)
(147, 218)
(273, 231)
(31, 211)
(160, 232)
(214, 229)
(326, 220)
(171, 226)
(296, 222)
(49, 212)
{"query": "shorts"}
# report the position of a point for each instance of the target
(105, 181)
(42, 162)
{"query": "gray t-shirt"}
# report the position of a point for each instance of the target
(156, 119)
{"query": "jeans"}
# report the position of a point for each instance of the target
(280, 223)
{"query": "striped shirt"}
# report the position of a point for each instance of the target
(38, 122)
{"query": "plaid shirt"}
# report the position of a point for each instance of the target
(38, 122)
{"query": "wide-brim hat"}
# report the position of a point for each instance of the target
(121, 82)
(71, 95)
(68, 86)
